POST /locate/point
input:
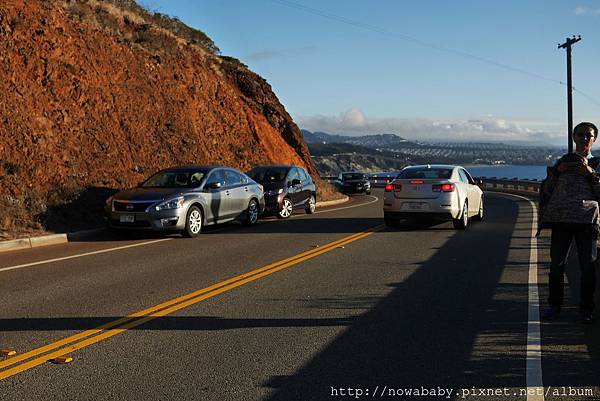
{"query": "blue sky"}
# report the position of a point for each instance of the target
(354, 67)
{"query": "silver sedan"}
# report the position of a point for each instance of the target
(185, 199)
(441, 192)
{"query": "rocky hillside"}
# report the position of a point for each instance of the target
(96, 95)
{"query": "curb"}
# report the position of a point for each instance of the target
(333, 202)
(45, 240)
(54, 239)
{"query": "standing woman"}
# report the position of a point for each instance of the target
(572, 213)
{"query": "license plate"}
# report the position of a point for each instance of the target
(414, 206)
(127, 218)
(416, 188)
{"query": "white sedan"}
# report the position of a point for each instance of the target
(435, 191)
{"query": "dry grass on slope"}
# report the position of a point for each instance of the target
(134, 24)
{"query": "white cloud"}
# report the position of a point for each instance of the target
(486, 128)
(354, 119)
(584, 10)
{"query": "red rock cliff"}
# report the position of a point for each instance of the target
(95, 95)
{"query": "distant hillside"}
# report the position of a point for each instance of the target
(386, 141)
(449, 152)
(333, 158)
(331, 149)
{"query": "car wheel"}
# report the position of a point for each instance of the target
(193, 222)
(286, 209)
(463, 220)
(479, 216)
(251, 213)
(311, 205)
(390, 222)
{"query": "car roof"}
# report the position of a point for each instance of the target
(195, 167)
(275, 165)
(448, 166)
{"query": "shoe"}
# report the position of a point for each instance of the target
(551, 313)
(586, 317)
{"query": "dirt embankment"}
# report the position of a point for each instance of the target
(97, 95)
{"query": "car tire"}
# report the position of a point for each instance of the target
(287, 207)
(463, 220)
(479, 215)
(311, 205)
(193, 222)
(251, 215)
(368, 192)
(391, 222)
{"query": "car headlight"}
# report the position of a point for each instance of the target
(277, 192)
(109, 203)
(176, 203)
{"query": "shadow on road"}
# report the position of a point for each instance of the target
(318, 225)
(424, 332)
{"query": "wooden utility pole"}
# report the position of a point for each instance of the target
(567, 45)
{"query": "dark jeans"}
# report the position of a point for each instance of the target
(586, 236)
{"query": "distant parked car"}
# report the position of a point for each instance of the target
(381, 179)
(354, 182)
(440, 192)
(184, 199)
(287, 188)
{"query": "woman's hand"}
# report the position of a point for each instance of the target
(586, 170)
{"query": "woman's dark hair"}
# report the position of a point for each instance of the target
(586, 124)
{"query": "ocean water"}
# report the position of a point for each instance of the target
(508, 171)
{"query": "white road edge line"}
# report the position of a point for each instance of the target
(534, 379)
(42, 262)
(349, 207)
(82, 254)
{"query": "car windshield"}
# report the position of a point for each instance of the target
(352, 176)
(427, 173)
(175, 179)
(268, 174)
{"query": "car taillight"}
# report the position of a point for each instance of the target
(393, 187)
(443, 188)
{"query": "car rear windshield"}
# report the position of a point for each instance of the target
(268, 174)
(427, 173)
(175, 179)
(353, 176)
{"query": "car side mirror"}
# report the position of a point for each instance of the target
(214, 185)
(295, 182)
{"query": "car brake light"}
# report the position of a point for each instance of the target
(393, 187)
(443, 188)
(416, 181)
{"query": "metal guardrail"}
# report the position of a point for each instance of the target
(513, 184)
(509, 184)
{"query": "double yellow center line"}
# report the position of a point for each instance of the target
(70, 344)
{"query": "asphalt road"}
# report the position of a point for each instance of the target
(322, 307)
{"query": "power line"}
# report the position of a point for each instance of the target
(585, 95)
(408, 38)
